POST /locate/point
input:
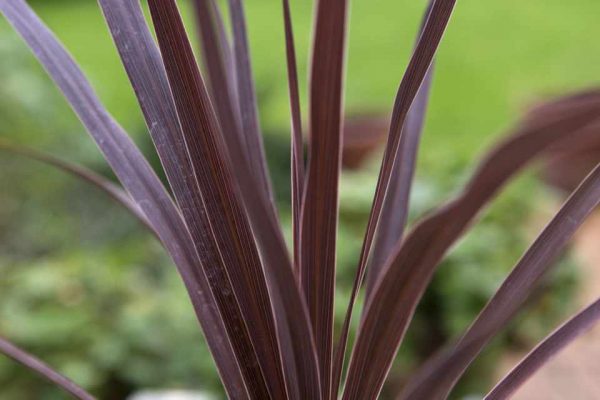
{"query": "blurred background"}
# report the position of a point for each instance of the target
(84, 287)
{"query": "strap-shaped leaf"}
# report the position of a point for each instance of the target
(134, 173)
(438, 379)
(581, 323)
(215, 174)
(229, 78)
(224, 86)
(143, 64)
(428, 42)
(394, 211)
(224, 210)
(297, 147)
(296, 337)
(21, 356)
(85, 174)
(320, 206)
(219, 64)
(247, 98)
(217, 57)
(409, 270)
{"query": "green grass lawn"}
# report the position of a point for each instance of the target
(497, 57)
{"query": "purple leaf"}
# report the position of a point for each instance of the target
(409, 269)
(148, 77)
(297, 148)
(439, 377)
(394, 211)
(247, 99)
(409, 86)
(320, 204)
(214, 171)
(34, 364)
(218, 60)
(218, 225)
(581, 323)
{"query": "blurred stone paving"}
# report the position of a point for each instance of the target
(574, 374)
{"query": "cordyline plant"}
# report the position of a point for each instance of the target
(266, 313)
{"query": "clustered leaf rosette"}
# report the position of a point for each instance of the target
(266, 314)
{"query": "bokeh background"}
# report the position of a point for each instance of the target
(83, 286)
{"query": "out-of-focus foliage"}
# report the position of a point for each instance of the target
(113, 320)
